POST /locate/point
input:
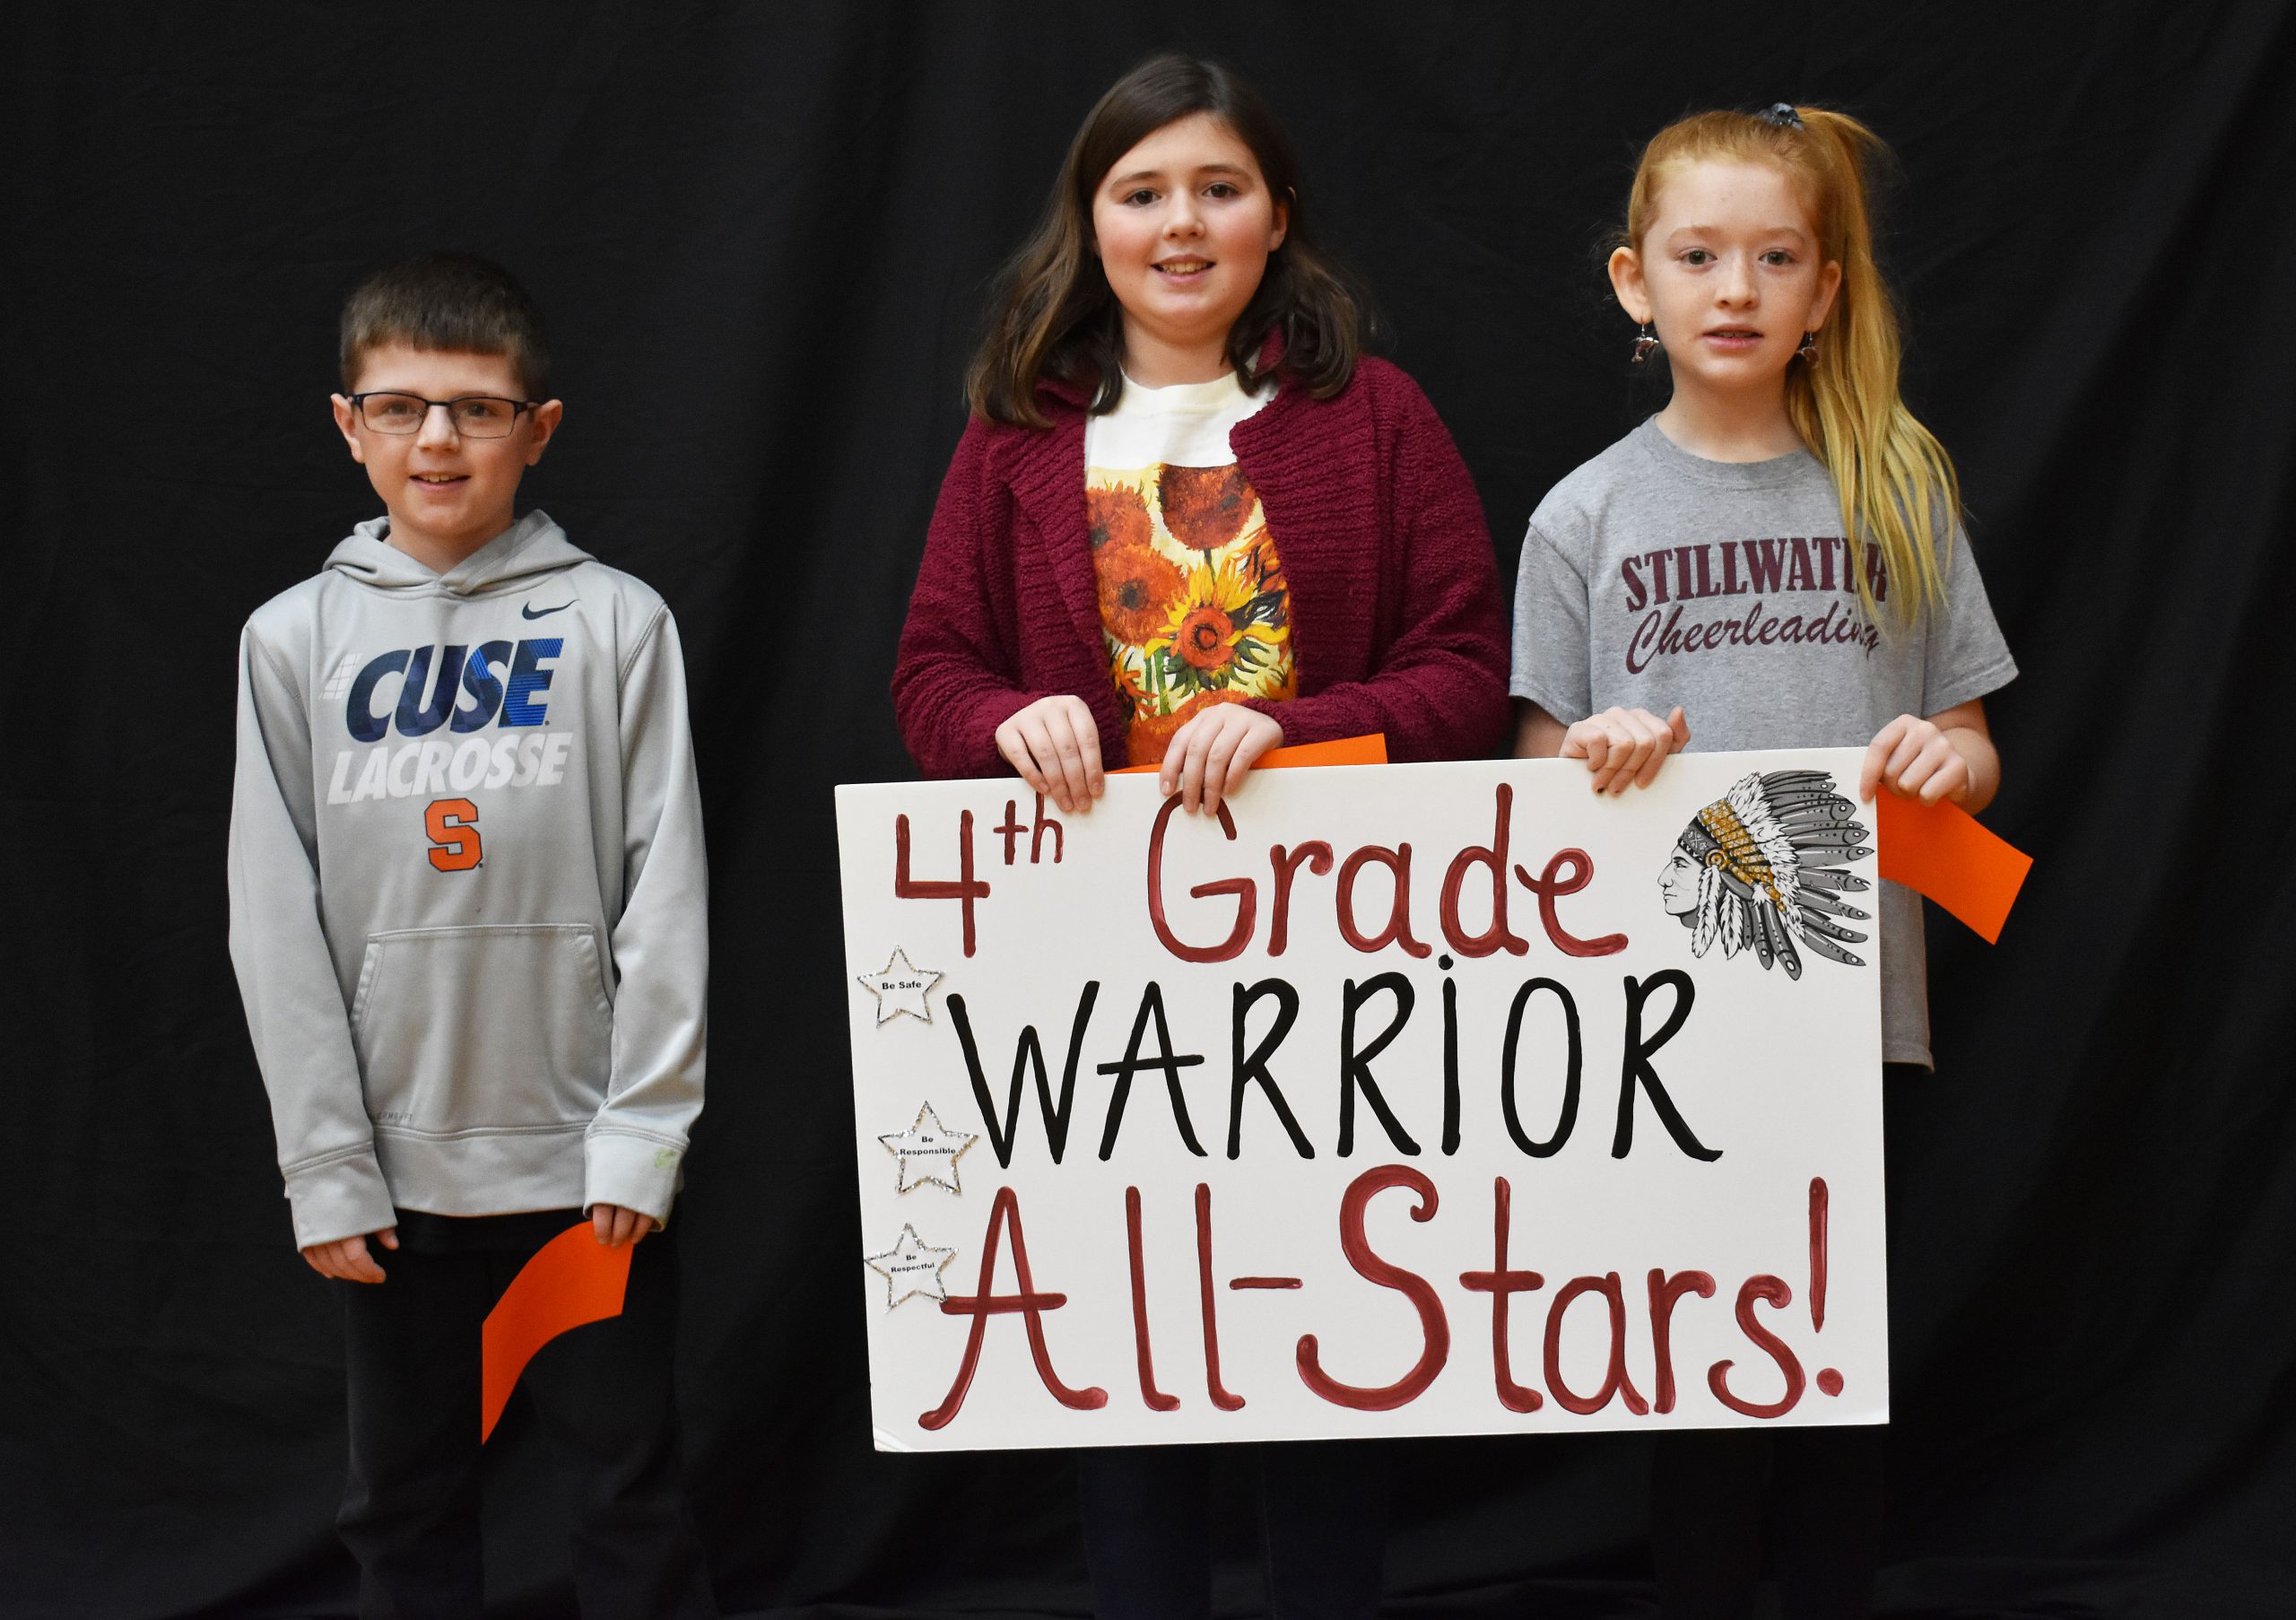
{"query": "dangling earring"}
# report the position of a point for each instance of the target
(1645, 345)
(1809, 349)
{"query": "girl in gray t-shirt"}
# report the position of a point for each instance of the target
(1773, 561)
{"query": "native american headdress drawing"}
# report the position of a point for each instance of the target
(1767, 856)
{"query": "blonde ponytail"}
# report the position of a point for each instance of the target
(1897, 486)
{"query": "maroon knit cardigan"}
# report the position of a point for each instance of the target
(1396, 620)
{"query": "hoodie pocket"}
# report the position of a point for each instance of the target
(468, 1028)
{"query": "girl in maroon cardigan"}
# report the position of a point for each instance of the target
(1188, 521)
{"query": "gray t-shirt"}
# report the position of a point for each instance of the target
(1652, 577)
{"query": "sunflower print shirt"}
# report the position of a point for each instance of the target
(1194, 609)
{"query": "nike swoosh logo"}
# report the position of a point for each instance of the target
(528, 611)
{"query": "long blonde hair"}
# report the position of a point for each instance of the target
(1897, 486)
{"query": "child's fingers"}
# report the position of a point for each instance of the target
(1044, 750)
(1652, 736)
(1044, 753)
(1034, 778)
(1617, 758)
(1877, 756)
(1200, 747)
(1068, 759)
(1088, 746)
(1906, 782)
(1934, 771)
(1054, 744)
(1167, 779)
(1902, 759)
(1258, 740)
(615, 1224)
(1663, 742)
(1624, 747)
(358, 1266)
(1225, 738)
(1943, 772)
(1596, 745)
(1630, 744)
(1014, 747)
(1173, 777)
(1196, 768)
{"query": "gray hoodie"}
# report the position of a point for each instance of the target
(468, 897)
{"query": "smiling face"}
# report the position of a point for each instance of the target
(447, 494)
(1183, 225)
(1678, 883)
(1731, 274)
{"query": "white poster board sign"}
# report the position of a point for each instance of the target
(1396, 1100)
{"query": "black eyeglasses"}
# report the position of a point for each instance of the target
(473, 415)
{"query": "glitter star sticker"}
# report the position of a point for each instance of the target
(911, 1267)
(901, 986)
(927, 1152)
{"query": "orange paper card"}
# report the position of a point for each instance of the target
(1940, 850)
(571, 1280)
(1370, 750)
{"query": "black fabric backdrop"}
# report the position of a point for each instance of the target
(762, 236)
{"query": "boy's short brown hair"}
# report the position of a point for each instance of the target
(447, 301)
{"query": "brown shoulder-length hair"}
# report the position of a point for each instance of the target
(1053, 317)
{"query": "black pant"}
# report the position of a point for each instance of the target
(1813, 1494)
(1817, 1491)
(1148, 1528)
(410, 1513)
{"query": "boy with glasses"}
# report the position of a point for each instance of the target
(468, 915)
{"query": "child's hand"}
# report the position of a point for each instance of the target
(1625, 745)
(1209, 755)
(347, 1258)
(1056, 746)
(1915, 758)
(612, 1225)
